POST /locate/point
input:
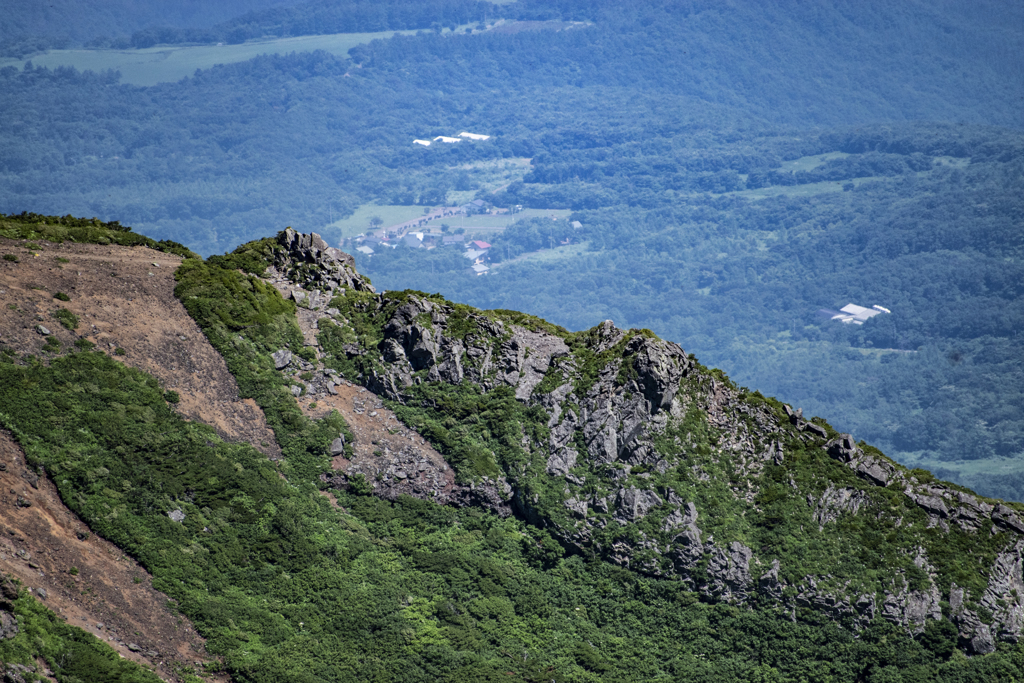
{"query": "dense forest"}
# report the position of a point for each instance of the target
(671, 130)
(27, 26)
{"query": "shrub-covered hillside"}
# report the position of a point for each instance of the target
(286, 586)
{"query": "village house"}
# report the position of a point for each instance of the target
(857, 315)
(474, 136)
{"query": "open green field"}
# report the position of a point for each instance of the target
(562, 253)
(172, 63)
(799, 190)
(391, 214)
(490, 175)
(504, 220)
(809, 163)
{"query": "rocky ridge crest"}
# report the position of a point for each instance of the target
(654, 462)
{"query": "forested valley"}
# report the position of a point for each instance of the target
(730, 180)
(726, 176)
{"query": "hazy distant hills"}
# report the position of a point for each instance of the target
(83, 20)
(689, 140)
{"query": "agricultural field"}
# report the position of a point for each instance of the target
(169, 63)
(359, 221)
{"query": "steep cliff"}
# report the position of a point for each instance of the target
(623, 446)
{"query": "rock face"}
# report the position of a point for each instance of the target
(307, 261)
(641, 456)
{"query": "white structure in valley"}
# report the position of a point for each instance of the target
(858, 315)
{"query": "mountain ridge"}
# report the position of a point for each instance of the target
(661, 495)
(621, 392)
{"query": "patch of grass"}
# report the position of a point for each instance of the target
(164, 64)
(390, 214)
(120, 351)
(66, 318)
(61, 296)
(83, 230)
(11, 257)
(83, 344)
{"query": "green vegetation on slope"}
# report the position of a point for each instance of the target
(31, 226)
(74, 655)
(491, 434)
(286, 587)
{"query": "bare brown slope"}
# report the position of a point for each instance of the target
(110, 595)
(124, 298)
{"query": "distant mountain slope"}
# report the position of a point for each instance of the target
(614, 507)
(82, 20)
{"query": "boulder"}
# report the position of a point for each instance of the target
(8, 626)
(282, 358)
(814, 429)
(632, 504)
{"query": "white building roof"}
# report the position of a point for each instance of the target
(852, 314)
(364, 250)
(474, 136)
(425, 143)
(448, 140)
(474, 254)
(859, 312)
(479, 268)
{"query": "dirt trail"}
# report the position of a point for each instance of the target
(41, 540)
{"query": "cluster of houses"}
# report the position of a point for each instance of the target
(852, 314)
(444, 139)
(474, 250)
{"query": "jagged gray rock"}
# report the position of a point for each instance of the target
(728, 571)
(834, 502)
(282, 358)
(8, 626)
(632, 504)
(308, 261)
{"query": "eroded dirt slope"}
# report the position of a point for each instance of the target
(124, 298)
(106, 593)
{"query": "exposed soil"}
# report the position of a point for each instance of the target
(384, 447)
(124, 298)
(394, 458)
(41, 540)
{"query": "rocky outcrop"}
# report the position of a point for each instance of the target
(834, 502)
(600, 474)
(308, 261)
(728, 571)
